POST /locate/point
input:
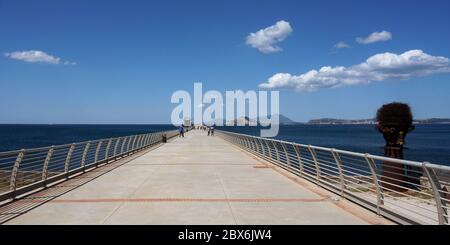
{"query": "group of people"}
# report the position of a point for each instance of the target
(210, 130)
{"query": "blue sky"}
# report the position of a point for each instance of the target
(120, 61)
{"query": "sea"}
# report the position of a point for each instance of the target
(428, 142)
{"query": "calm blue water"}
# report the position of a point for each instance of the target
(426, 143)
(14, 137)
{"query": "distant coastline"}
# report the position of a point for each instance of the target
(335, 121)
(373, 121)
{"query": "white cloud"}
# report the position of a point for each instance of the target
(375, 37)
(36, 56)
(265, 40)
(379, 67)
(341, 45)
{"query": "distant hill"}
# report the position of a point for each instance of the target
(284, 120)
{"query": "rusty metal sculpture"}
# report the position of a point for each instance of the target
(395, 121)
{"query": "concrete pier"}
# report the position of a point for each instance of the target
(192, 180)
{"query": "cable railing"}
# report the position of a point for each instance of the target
(407, 192)
(26, 170)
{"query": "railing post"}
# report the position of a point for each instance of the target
(241, 141)
(266, 142)
(299, 158)
(15, 170)
(276, 150)
(138, 142)
(252, 142)
(288, 161)
(133, 142)
(143, 141)
(316, 162)
(46, 162)
(261, 146)
(107, 149)
(152, 137)
(129, 142)
(147, 136)
(244, 142)
(438, 196)
(255, 143)
(123, 145)
(250, 147)
(68, 157)
(97, 151)
(338, 161)
(85, 151)
(247, 144)
(376, 181)
(116, 145)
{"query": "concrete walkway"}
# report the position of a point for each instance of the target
(196, 180)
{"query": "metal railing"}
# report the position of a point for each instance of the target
(26, 170)
(406, 192)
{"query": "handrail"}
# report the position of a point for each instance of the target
(382, 158)
(25, 170)
(420, 195)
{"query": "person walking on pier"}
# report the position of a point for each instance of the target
(212, 131)
(181, 130)
(209, 131)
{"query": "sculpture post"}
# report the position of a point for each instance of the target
(394, 121)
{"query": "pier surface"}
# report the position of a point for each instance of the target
(193, 180)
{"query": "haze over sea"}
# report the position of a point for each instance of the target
(426, 143)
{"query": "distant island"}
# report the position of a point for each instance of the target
(340, 121)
